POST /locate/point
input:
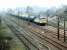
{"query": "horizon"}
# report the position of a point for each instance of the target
(24, 3)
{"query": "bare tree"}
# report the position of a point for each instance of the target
(47, 14)
(29, 12)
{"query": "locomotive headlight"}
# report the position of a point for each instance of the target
(40, 22)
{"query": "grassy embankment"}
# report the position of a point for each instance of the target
(8, 41)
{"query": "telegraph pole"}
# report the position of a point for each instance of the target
(47, 16)
(64, 29)
(65, 12)
(58, 27)
(65, 15)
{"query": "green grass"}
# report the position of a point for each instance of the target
(14, 43)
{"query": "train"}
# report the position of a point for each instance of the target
(42, 21)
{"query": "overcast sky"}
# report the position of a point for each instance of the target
(24, 3)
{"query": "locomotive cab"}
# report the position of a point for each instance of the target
(40, 21)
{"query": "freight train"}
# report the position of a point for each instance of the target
(42, 21)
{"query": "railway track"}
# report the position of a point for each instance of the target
(53, 34)
(33, 37)
(41, 45)
(27, 38)
(42, 37)
(35, 40)
(39, 28)
(37, 34)
(46, 30)
(23, 39)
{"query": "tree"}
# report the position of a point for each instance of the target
(29, 12)
(47, 13)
